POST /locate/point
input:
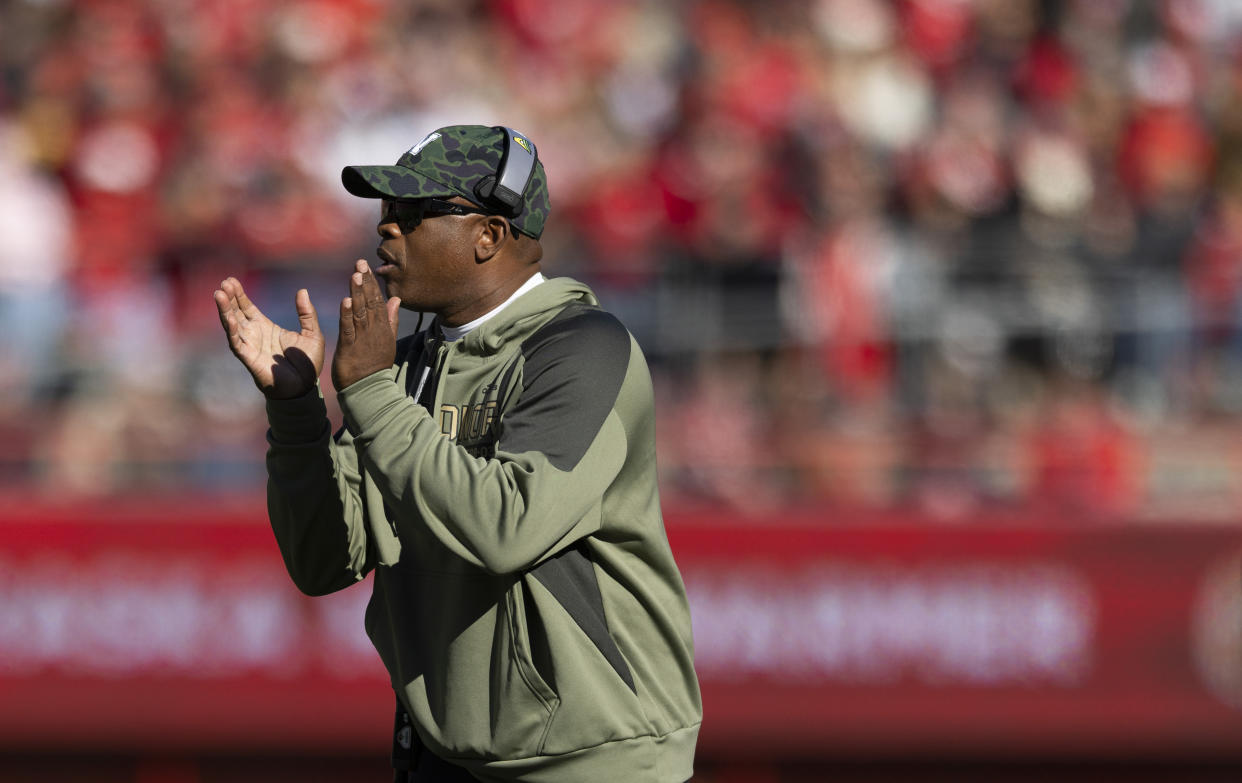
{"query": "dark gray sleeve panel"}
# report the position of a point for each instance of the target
(570, 577)
(572, 372)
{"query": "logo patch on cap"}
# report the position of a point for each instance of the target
(418, 147)
(525, 144)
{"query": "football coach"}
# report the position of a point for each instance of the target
(496, 471)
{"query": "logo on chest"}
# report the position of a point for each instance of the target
(472, 426)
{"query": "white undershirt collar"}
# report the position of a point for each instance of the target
(452, 333)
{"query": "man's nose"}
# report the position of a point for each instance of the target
(388, 228)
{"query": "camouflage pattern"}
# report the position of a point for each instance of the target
(451, 164)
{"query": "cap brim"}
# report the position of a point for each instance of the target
(390, 182)
(368, 181)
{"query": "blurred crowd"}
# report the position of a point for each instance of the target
(951, 256)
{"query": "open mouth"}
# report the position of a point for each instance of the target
(387, 263)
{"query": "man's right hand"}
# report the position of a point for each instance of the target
(284, 364)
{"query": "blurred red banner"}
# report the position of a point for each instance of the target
(172, 625)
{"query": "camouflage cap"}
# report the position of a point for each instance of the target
(452, 161)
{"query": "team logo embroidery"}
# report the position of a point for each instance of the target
(525, 144)
(419, 146)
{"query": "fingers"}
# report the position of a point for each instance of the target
(227, 308)
(226, 299)
(394, 310)
(244, 304)
(307, 317)
(234, 300)
(224, 305)
(366, 302)
(357, 295)
(347, 321)
(364, 286)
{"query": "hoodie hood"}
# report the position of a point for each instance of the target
(526, 314)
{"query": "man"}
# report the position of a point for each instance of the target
(496, 471)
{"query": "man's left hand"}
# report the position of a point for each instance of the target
(368, 337)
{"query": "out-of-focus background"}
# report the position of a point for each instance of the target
(943, 303)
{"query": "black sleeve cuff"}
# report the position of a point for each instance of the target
(299, 420)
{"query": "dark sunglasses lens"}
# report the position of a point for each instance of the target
(402, 212)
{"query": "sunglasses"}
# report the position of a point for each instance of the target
(408, 213)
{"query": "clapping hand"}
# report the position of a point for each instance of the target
(284, 364)
(368, 341)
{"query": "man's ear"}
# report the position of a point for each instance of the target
(492, 235)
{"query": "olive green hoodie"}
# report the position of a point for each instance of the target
(526, 602)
